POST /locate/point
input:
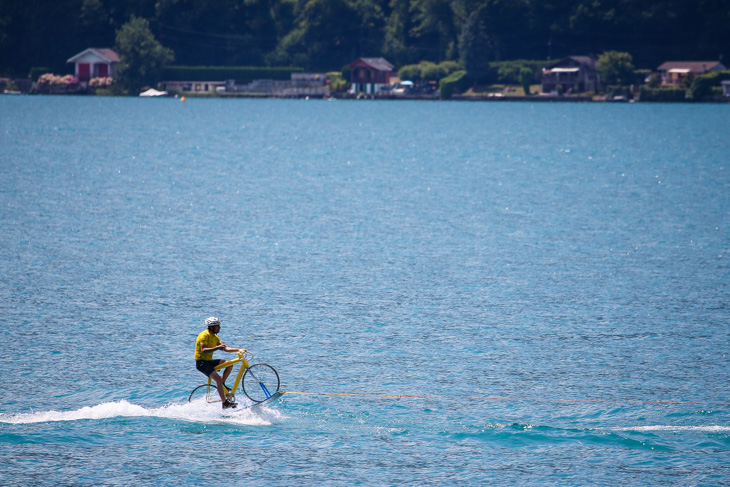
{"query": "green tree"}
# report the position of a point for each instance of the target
(410, 72)
(398, 45)
(616, 68)
(432, 71)
(526, 76)
(328, 33)
(434, 28)
(476, 47)
(142, 58)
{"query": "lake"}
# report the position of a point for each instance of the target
(544, 287)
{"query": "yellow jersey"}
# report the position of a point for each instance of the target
(206, 339)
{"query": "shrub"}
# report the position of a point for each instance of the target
(508, 72)
(222, 73)
(451, 66)
(431, 71)
(410, 72)
(50, 79)
(455, 82)
(337, 82)
(702, 85)
(662, 94)
(103, 82)
(52, 83)
(35, 73)
(428, 71)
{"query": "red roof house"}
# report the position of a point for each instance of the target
(95, 62)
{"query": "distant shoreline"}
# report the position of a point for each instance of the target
(416, 97)
(468, 98)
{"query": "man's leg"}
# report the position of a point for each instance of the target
(227, 372)
(219, 385)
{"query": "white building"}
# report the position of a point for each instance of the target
(674, 73)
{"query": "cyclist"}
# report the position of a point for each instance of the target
(207, 343)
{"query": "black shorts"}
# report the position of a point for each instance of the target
(207, 366)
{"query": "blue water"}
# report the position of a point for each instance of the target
(552, 281)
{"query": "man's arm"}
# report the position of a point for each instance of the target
(223, 347)
(231, 350)
(203, 348)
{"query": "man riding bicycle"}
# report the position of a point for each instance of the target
(207, 343)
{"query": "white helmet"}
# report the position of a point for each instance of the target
(212, 321)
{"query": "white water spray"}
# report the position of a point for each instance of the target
(194, 412)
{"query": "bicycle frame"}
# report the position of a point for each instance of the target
(244, 365)
(258, 381)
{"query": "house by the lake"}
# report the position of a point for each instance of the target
(369, 75)
(95, 62)
(674, 73)
(192, 86)
(573, 74)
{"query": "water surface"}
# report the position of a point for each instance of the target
(551, 279)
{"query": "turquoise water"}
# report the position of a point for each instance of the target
(552, 281)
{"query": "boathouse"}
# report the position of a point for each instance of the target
(95, 62)
(369, 75)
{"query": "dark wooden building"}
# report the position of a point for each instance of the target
(370, 74)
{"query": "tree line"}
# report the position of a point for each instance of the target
(323, 35)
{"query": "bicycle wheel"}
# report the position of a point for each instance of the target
(260, 382)
(206, 393)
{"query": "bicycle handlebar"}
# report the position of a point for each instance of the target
(247, 354)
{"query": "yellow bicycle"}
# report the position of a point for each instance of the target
(259, 382)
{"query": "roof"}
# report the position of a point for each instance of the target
(110, 54)
(697, 67)
(377, 63)
(106, 54)
(582, 61)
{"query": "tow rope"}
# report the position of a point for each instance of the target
(506, 399)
